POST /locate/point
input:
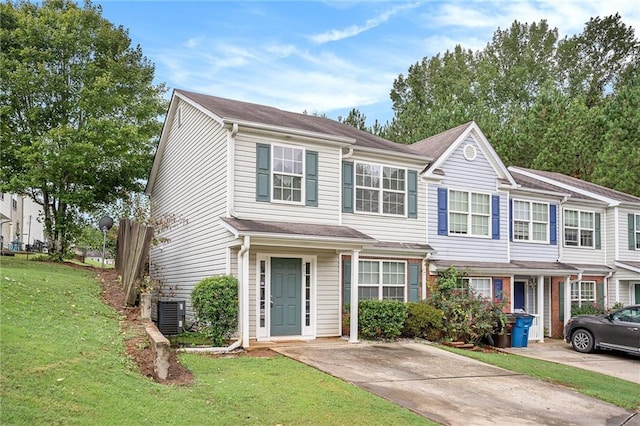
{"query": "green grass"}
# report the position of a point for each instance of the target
(64, 362)
(622, 393)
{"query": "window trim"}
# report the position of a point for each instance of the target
(302, 176)
(468, 280)
(579, 228)
(530, 221)
(380, 189)
(470, 214)
(636, 230)
(381, 284)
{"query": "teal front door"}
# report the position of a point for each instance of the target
(286, 297)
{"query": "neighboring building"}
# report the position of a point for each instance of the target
(303, 209)
(19, 222)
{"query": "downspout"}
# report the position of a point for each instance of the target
(231, 171)
(243, 290)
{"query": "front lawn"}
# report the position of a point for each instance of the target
(64, 362)
(622, 393)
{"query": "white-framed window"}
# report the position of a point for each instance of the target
(530, 221)
(287, 170)
(637, 232)
(480, 286)
(583, 292)
(380, 189)
(469, 213)
(579, 228)
(382, 280)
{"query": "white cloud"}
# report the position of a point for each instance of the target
(353, 30)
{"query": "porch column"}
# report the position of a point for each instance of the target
(353, 331)
(567, 299)
(540, 307)
(618, 292)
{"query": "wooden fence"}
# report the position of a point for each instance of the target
(134, 242)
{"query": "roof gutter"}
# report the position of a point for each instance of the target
(337, 140)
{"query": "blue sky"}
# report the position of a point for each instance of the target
(324, 56)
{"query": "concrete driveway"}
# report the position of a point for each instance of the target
(616, 364)
(454, 390)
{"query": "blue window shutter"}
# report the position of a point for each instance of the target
(553, 224)
(347, 187)
(510, 220)
(412, 194)
(311, 178)
(414, 282)
(263, 172)
(631, 231)
(495, 217)
(561, 300)
(600, 294)
(346, 279)
(597, 231)
(497, 289)
(443, 228)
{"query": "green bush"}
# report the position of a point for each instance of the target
(423, 321)
(586, 309)
(469, 317)
(381, 319)
(215, 302)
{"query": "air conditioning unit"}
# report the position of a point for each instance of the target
(171, 316)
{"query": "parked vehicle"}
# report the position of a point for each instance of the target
(618, 330)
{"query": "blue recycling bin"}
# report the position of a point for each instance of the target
(520, 332)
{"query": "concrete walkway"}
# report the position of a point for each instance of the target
(455, 390)
(615, 364)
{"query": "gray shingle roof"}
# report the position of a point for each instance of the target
(289, 228)
(261, 114)
(435, 146)
(587, 186)
(514, 265)
(531, 183)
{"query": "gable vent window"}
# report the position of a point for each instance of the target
(470, 153)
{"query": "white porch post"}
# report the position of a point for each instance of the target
(244, 295)
(567, 299)
(353, 332)
(540, 307)
(618, 292)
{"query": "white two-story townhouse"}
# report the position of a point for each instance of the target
(301, 209)
(600, 231)
(20, 222)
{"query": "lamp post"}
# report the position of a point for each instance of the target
(105, 224)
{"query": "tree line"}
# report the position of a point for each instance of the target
(569, 105)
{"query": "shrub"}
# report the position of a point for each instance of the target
(381, 319)
(423, 321)
(468, 316)
(586, 309)
(215, 302)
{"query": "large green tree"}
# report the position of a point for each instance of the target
(79, 111)
(542, 101)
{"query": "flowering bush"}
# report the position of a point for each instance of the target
(468, 316)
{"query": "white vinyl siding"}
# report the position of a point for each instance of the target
(192, 189)
(246, 206)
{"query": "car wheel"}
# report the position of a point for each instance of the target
(582, 341)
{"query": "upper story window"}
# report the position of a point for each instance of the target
(287, 171)
(286, 174)
(530, 221)
(380, 189)
(579, 227)
(14, 201)
(469, 213)
(382, 280)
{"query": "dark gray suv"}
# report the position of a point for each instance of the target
(619, 330)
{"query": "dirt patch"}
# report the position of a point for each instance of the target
(133, 328)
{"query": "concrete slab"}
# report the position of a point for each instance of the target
(454, 390)
(615, 364)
